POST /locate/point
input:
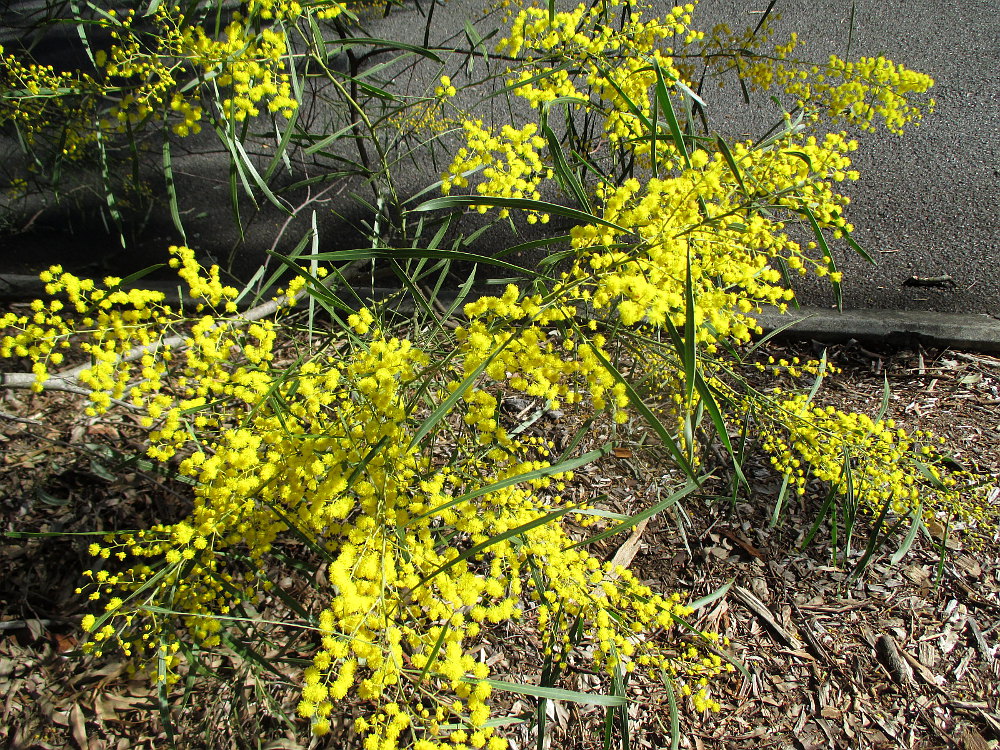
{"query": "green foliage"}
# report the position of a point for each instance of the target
(377, 446)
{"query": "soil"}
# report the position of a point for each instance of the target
(903, 656)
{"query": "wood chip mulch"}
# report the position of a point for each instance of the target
(906, 656)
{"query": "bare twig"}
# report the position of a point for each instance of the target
(760, 609)
(22, 420)
(892, 658)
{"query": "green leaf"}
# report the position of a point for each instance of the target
(858, 249)
(830, 262)
(915, 526)
(763, 18)
(710, 645)
(709, 598)
(675, 722)
(563, 173)
(98, 469)
(557, 694)
(472, 551)
(449, 403)
(168, 178)
(434, 651)
(638, 518)
(651, 419)
(632, 106)
(48, 499)
(663, 98)
(690, 352)
(733, 167)
(545, 471)
(779, 503)
(357, 41)
(332, 138)
(281, 152)
(370, 253)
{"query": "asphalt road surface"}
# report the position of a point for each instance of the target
(927, 205)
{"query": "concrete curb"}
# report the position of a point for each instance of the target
(977, 333)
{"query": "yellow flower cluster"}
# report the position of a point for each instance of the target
(511, 165)
(699, 214)
(728, 50)
(426, 116)
(874, 462)
(423, 524)
(114, 321)
(27, 94)
(666, 230)
(325, 451)
(161, 70)
(860, 93)
(249, 61)
(582, 46)
(563, 368)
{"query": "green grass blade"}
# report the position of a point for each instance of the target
(818, 380)
(163, 694)
(369, 457)
(618, 683)
(463, 294)
(329, 140)
(850, 504)
(608, 730)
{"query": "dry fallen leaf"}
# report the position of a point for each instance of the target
(78, 727)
